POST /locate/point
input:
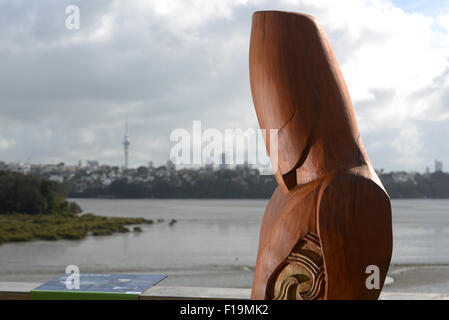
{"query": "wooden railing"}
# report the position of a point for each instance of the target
(20, 291)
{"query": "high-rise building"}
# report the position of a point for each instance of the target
(171, 165)
(438, 166)
(92, 164)
(223, 164)
(126, 144)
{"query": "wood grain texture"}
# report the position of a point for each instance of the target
(327, 185)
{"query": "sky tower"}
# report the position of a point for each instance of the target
(126, 144)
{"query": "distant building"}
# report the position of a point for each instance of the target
(19, 167)
(60, 166)
(223, 164)
(3, 165)
(403, 177)
(92, 164)
(56, 178)
(171, 165)
(438, 166)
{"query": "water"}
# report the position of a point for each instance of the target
(214, 243)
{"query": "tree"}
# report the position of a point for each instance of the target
(21, 193)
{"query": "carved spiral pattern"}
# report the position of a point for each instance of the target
(301, 277)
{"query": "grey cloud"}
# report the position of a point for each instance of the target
(68, 102)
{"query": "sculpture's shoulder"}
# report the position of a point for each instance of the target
(355, 230)
(354, 187)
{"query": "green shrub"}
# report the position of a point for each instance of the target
(25, 227)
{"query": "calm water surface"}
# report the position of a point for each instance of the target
(214, 243)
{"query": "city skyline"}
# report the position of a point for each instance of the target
(92, 163)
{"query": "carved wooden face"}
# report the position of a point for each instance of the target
(283, 95)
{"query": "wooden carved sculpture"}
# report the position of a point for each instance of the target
(330, 217)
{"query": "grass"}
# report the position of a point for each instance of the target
(26, 227)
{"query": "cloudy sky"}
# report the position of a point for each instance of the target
(65, 94)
